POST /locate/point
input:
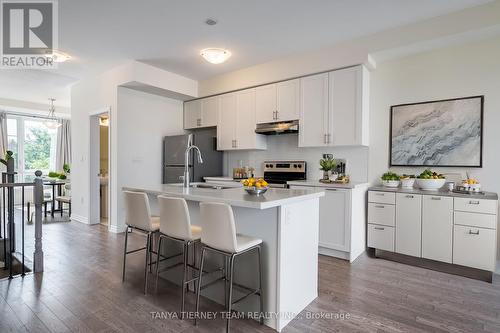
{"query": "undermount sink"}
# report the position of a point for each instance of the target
(210, 186)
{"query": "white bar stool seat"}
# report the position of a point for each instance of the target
(175, 225)
(138, 217)
(219, 236)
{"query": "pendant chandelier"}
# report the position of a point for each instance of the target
(51, 121)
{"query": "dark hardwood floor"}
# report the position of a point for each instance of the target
(81, 291)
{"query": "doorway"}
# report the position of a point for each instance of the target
(99, 168)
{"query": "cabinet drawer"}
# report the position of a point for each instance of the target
(381, 214)
(479, 220)
(381, 237)
(382, 197)
(476, 205)
(474, 247)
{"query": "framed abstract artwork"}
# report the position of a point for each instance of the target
(444, 133)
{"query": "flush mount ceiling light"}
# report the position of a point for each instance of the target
(51, 121)
(58, 56)
(215, 55)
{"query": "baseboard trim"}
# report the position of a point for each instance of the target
(116, 229)
(79, 218)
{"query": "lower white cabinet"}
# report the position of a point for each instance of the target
(457, 230)
(342, 223)
(408, 231)
(437, 228)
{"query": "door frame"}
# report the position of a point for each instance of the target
(93, 165)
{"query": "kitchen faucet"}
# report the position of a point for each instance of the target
(186, 159)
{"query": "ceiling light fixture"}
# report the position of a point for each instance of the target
(215, 55)
(51, 121)
(57, 56)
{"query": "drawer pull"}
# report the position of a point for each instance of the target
(473, 232)
(379, 228)
(331, 189)
(473, 202)
(381, 194)
(410, 196)
(435, 198)
(379, 206)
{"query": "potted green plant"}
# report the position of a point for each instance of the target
(327, 165)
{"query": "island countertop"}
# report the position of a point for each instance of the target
(237, 197)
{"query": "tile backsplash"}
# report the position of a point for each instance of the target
(285, 147)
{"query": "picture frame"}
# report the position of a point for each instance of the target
(455, 141)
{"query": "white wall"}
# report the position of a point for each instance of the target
(466, 70)
(100, 92)
(143, 122)
(285, 147)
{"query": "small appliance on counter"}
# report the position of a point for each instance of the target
(278, 173)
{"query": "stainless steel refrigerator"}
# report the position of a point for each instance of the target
(173, 156)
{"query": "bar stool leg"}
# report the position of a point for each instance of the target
(150, 250)
(261, 319)
(231, 271)
(199, 286)
(125, 254)
(158, 249)
(146, 266)
(226, 281)
(184, 275)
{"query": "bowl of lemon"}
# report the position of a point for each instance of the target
(255, 186)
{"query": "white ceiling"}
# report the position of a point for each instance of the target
(169, 34)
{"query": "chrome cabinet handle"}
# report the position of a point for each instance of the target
(472, 202)
(379, 228)
(435, 198)
(277, 115)
(328, 138)
(235, 143)
(324, 139)
(473, 232)
(380, 194)
(198, 122)
(410, 196)
(379, 206)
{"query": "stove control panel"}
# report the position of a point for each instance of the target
(285, 166)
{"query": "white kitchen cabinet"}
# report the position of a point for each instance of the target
(437, 227)
(313, 110)
(277, 102)
(192, 114)
(338, 117)
(474, 247)
(236, 128)
(408, 231)
(201, 112)
(381, 237)
(334, 226)
(348, 106)
(342, 228)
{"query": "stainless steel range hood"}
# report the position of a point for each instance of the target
(285, 127)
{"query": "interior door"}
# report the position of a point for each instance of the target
(288, 100)
(313, 110)
(245, 119)
(227, 125)
(265, 103)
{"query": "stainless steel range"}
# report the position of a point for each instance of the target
(277, 173)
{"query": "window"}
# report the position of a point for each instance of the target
(33, 144)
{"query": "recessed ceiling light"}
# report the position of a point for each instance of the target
(215, 55)
(210, 21)
(58, 56)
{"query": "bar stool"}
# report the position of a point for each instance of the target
(138, 217)
(219, 236)
(175, 225)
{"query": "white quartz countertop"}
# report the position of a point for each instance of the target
(317, 183)
(237, 197)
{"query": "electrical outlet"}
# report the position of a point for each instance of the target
(327, 156)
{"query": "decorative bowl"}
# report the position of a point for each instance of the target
(256, 191)
(390, 183)
(407, 182)
(430, 184)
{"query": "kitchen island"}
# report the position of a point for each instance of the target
(287, 221)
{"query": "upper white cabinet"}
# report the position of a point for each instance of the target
(346, 115)
(201, 112)
(277, 102)
(236, 128)
(313, 110)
